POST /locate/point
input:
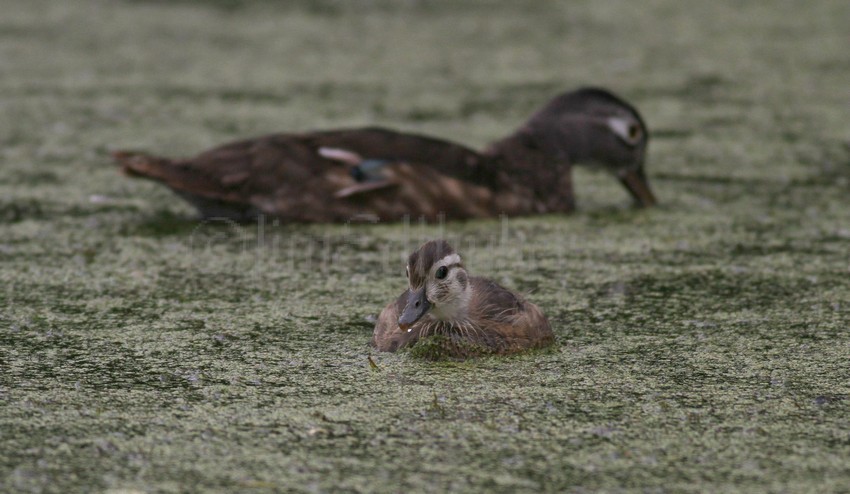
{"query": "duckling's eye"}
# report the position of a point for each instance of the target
(442, 272)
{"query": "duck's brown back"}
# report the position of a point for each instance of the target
(446, 157)
(286, 175)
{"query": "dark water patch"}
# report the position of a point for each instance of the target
(720, 122)
(223, 94)
(819, 326)
(837, 178)
(611, 215)
(29, 178)
(130, 309)
(829, 165)
(422, 114)
(328, 8)
(829, 399)
(696, 89)
(706, 82)
(224, 5)
(837, 64)
(322, 90)
(715, 179)
(782, 247)
(355, 324)
(728, 190)
(667, 133)
(223, 285)
(56, 357)
(682, 256)
(489, 100)
(524, 97)
(64, 298)
(161, 223)
(20, 30)
(226, 127)
(21, 209)
(654, 299)
(15, 210)
(723, 290)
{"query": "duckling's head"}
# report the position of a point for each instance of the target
(592, 126)
(438, 284)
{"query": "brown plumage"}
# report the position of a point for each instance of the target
(465, 316)
(343, 175)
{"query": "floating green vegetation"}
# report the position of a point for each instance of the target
(702, 345)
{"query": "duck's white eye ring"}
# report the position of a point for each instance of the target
(442, 272)
(627, 130)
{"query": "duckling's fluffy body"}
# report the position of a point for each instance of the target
(468, 315)
(496, 321)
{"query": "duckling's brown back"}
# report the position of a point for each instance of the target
(514, 323)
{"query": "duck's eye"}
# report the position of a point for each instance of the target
(442, 272)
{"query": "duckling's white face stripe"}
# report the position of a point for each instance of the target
(449, 260)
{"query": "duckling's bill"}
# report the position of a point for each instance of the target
(416, 307)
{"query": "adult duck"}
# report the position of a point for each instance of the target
(381, 174)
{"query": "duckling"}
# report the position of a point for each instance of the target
(467, 315)
(339, 175)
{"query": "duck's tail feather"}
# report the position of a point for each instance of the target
(172, 173)
(208, 196)
(138, 164)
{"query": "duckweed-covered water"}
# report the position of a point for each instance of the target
(703, 344)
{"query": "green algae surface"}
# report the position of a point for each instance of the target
(703, 345)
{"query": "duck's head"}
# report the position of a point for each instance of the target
(438, 285)
(592, 126)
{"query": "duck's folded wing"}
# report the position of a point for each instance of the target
(364, 188)
(446, 157)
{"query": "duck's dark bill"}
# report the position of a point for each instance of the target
(417, 306)
(637, 185)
